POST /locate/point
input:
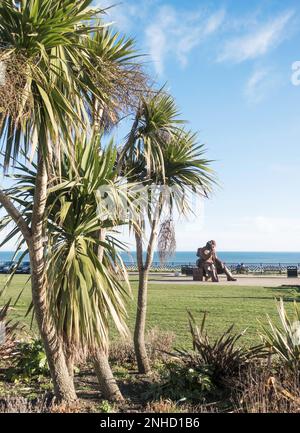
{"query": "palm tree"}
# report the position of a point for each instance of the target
(161, 155)
(85, 294)
(53, 79)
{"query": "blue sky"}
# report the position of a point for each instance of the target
(229, 65)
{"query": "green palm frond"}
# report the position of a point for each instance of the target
(156, 122)
(166, 159)
(284, 340)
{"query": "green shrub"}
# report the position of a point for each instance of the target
(187, 383)
(31, 361)
(106, 407)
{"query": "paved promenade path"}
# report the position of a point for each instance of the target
(242, 280)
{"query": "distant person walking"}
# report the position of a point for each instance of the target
(211, 264)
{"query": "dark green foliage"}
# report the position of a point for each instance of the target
(209, 370)
(30, 363)
(187, 383)
(224, 356)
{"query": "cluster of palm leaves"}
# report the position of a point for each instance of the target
(159, 151)
(76, 275)
(284, 340)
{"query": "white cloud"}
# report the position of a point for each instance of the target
(157, 44)
(289, 170)
(173, 32)
(260, 84)
(257, 43)
(260, 233)
(177, 33)
(214, 22)
(157, 38)
(275, 225)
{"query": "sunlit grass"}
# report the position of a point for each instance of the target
(168, 305)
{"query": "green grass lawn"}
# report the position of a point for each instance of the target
(168, 305)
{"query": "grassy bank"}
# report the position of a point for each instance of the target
(168, 306)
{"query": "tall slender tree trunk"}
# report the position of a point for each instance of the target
(142, 358)
(63, 384)
(107, 383)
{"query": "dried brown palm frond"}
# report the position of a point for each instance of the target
(266, 389)
(125, 85)
(15, 100)
(128, 84)
(166, 245)
(77, 354)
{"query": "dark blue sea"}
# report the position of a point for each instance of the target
(186, 257)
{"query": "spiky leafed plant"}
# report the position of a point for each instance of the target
(52, 79)
(212, 365)
(85, 294)
(284, 340)
(224, 355)
(166, 159)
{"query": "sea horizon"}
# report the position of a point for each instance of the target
(189, 257)
(227, 256)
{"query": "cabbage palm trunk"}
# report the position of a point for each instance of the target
(140, 324)
(63, 383)
(107, 383)
(142, 358)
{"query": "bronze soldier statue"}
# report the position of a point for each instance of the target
(211, 264)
